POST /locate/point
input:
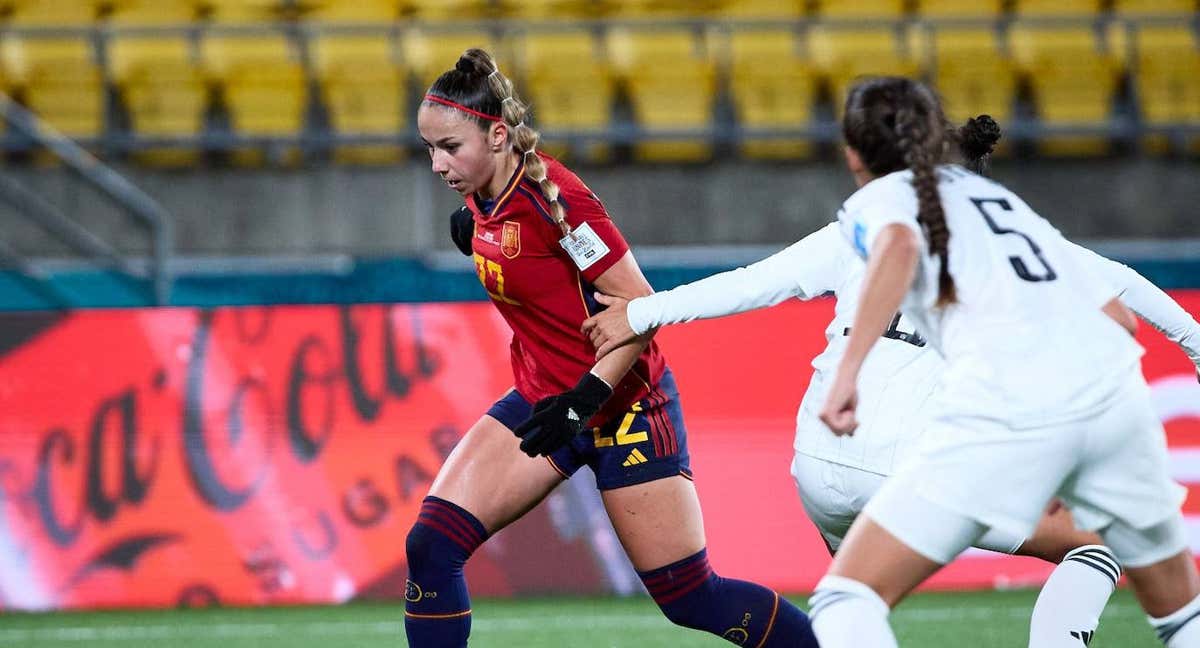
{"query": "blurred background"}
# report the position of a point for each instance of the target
(238, 343)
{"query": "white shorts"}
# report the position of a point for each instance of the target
(833, 495)
(1110, 467)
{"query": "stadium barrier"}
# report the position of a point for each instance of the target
(278, 454)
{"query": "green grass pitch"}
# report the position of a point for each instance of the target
(977, 619)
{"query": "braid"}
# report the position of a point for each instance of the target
(915, 141)
(525, 141)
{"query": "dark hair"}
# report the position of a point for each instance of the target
(476, 83)
(896, 123)
(976, 139)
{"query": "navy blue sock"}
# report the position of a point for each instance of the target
(693, 596)
(437, 609)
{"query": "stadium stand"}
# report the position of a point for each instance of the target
(343, 77)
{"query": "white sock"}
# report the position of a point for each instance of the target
(1068, 608)
(847, 614)
(1181, 628)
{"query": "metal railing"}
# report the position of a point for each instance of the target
(146, 212)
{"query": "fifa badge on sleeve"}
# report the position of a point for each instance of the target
(585, 247)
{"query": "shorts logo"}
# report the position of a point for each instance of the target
(412, 592)
(510, 239)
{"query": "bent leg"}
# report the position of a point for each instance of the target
(485, 484)
(660, 525)
(1069, 606)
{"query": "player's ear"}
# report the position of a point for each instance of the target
(498, 136)
(854, 160)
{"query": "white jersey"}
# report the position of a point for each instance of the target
(1026, 344)
(900, 372)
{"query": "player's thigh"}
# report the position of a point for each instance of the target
(1125, 476)
(832, 494)
(488, 475)
(1054, 537)
(1159, 565)
(658, 522)
(873, 556)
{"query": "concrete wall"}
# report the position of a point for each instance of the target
(401, 210)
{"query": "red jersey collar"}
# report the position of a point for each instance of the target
(505, 194)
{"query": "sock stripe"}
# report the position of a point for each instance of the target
(673, 573)
(449, 533)
(771, 622)
(450, 526)
(1103, 567)
(452, 615)
(681, 589)
(457, 517)
(1166, 632)
(1102, 555)
(822, 600)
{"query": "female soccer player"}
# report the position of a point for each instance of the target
(837, 475)
(1042, 395)
(542, 242)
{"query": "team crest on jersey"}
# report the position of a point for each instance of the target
(510, 239)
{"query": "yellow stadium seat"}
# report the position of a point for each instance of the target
(960, 8)
(262, 84)
(58, 73)
(358, 11)
(969, 70)
(539, 9)
(1072, 83)
(1057, 7)
(860, 8)
(772, 88)
(362, 85)
(158, 79)
(570, 87)
(447, 10)
(430, 52)
(1168, 80)
(1153, 7)
(657, 8)
(54, 13)
(845, 54)
(750, 9)
(671, 83)
(244, 11)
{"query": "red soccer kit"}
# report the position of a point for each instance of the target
(544, 291)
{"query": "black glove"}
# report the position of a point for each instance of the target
(462, 229)
(557, 419)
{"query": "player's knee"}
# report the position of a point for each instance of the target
(694, 610)
(443, 537)
(422, 546)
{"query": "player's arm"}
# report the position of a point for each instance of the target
(804, 269)
(1149, 302)
(891, 266)
(557, 419)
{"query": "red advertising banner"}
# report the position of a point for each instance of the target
(262, 455)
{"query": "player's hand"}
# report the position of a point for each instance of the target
(840, 403)
(462, 229)
(557, 419)
(609, 328)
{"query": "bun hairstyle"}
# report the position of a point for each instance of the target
(477, 88)
(976, 139)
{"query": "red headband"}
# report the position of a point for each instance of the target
(458, 106)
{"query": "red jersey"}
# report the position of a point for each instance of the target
(544, 291)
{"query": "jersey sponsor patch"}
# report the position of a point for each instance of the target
(510, 239)
(586, 248)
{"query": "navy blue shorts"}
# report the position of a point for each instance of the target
(647, 443)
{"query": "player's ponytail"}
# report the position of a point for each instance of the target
(477, 84)
(896, 123)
